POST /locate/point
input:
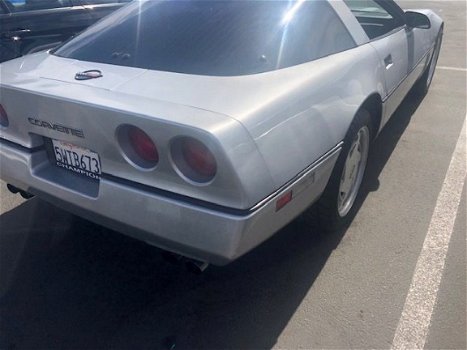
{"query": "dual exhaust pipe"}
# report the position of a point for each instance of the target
(15, 190)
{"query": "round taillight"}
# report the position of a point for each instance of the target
(199, 157)
(194, 159)
(137, 146)
(3, 117)
(143, 145)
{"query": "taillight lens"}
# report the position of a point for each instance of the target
(143, 145)
(198, 157)
(3, 117)
(137, 146)
(194, 159)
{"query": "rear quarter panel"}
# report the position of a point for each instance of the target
(318, 114)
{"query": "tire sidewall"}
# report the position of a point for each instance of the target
(328, 213)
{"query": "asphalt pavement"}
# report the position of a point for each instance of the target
(67, 283)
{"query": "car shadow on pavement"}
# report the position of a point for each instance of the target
(67, 283)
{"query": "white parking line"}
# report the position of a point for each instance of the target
(415, 320)
(457, 69)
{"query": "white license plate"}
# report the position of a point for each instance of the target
(78, 159)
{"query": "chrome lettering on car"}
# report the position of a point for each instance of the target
(88, 74)
(57, 127)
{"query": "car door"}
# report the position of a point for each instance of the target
(7, 47)
(420, 45)
(32, 24)
(384, 23)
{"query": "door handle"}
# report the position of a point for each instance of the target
(19, 31)
(388, 61)
(15, 34)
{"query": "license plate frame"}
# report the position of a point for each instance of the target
(77, 159)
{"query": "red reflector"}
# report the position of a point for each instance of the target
(283, 200)
(3, 117)
(199, 158)
(143, 145)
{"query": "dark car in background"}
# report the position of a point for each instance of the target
(28, 26)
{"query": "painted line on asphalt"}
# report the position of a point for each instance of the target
(457, 69)
(415, 320)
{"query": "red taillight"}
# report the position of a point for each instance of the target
(199, 158)
(3, 117)
(137, 147)
(143, 145)
(193, 159)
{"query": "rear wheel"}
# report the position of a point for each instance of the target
(424, 83)
(336, 206)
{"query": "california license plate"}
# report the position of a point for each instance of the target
(77, 159)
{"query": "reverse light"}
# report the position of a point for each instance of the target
(137, 146)
(194, 159)
(3, 117)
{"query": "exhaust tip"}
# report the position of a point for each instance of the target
(12, 189)
(26, 195)
(196, 267)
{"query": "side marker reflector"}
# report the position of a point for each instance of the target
(283, 200)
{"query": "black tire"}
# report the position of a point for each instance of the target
(422, 86)
(327, 213)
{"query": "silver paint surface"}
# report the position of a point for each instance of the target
(263, 129)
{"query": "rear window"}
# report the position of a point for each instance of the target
(213, 37)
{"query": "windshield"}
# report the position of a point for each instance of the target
(210, 37)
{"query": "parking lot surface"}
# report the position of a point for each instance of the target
(67, 283)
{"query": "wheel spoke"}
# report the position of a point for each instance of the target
(345, 186)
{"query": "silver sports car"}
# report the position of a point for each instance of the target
(203, 127)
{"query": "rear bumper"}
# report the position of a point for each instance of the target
(207, 233)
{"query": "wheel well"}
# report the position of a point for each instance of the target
(374, 106)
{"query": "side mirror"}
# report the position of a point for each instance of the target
(417, 20)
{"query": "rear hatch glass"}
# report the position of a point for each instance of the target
(210, 37)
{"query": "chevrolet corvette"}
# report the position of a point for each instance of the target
(204, 127)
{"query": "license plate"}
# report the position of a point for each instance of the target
(78, 159)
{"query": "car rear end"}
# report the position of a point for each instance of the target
(185, 179)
